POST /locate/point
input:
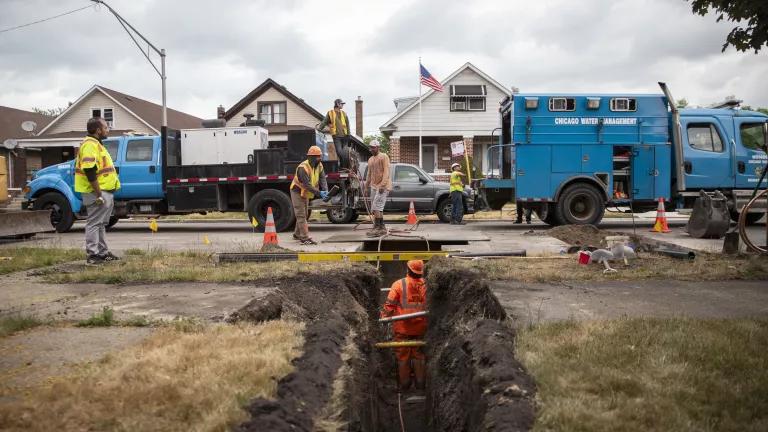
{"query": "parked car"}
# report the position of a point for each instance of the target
(409, 184)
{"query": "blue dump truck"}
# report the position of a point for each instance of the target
(569, 156)
(225, 169)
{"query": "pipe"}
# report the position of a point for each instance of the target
(690, 255)
(403, 317)
(400, 344)
(515, 253)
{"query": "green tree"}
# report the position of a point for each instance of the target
(750, 17)
(383, 140)
(682, 103)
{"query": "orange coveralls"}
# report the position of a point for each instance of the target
(408, 295)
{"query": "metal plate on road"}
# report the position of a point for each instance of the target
(446, 238)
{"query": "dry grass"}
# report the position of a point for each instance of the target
(15, 323)
(553, 269)
(163, 266)
(173, 381)
(649, 374)
(25, 258)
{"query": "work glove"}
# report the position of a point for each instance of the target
(323, 194)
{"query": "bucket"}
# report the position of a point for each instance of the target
(584, 257)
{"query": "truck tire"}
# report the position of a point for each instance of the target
(752, 218)
(580, 204)
(62, 217)
(341, 216)
(548, 215)
(282, 209)
(112, 221)
(444, 208)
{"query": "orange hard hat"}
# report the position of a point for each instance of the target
(416, 266)
(314, 151)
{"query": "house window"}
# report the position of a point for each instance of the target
(562, 104)
(468, 97)
(623, 104)
(106, 113)
(704, 136)
(272, 112)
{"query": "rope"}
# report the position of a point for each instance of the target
(400, 410)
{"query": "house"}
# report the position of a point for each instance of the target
(56, 141)
(10, 128)
(466, 111)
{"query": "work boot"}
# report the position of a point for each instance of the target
(374, 231)
(420, 373)
(403, 375)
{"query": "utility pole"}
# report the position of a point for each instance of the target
(161, 52)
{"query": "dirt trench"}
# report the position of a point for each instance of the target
(341, 382)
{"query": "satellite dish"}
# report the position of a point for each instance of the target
(29, 126)
(10, 143)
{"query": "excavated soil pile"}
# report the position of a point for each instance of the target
(474, 381)
(584, 236)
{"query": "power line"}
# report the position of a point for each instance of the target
(45, 19)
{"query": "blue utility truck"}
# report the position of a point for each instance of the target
(224, 169)
(569, 156)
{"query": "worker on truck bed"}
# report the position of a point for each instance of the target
(378, 181)
(457, 195)
(337, 124)
(409, 295)
(96, 179)
(308, 182)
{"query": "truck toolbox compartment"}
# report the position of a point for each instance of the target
(192, 198)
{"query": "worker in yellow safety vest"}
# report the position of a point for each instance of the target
(96, 180)
(308, 183)
(457, 195)
(336, 123)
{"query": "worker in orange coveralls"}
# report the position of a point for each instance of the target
(408, 295)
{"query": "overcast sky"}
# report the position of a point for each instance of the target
(325, 49)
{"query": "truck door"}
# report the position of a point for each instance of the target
(410, 184)
(140, 175)
(750, 156)
(706, 154)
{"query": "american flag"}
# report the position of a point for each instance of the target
(428, 80)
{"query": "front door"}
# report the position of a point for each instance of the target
(429, 157)
(706, 154)
(750, 156)
(140, 175)
(410, 184)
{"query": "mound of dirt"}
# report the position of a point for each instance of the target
(586, 236)
(474, 381)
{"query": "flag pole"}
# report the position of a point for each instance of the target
(421, 165)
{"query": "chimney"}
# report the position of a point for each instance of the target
(220, 112)
(359, 117)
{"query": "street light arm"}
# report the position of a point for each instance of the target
(122, 20)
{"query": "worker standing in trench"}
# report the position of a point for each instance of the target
(409, 295)
(308, 182)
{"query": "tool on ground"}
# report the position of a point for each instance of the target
(270, 234)
(710, 217)
(680, 254)
(661, 225)
(412, 220)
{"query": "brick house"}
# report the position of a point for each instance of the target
(466, 111)
(56, 141)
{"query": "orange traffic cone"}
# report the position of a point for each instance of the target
(412, 216)
(270, 234)
(661, 219)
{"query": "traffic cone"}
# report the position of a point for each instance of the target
(270, 234)
(661, 219)
(412, 216)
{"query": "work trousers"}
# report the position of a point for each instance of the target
(457, 204)
(522, 209)
(300, 206)
(341, 144)
(96, 226)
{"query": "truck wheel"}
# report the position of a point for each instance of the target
(580, 204)
(282, 209)
(547, 214)
(112, 221)
(341, 216)
(444, 209)
(752, 218)
(62, 217)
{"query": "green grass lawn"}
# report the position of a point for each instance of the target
(649, 374)
(25, 258)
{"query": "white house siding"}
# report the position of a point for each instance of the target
(76, 119)
(437, 118)
(295, 114)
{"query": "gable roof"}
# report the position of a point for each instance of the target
(429, 93)
(149, 113)
(263, 87)
(12, 118)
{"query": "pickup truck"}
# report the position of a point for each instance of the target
(155, 181)
(409, 184)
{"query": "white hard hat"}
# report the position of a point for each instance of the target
(456, 165)
(374, 143)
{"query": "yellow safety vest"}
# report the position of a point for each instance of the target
(314, 178)
(91, 154)
(456, 183)
(343, 117)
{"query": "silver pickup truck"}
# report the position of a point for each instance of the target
(410, 184)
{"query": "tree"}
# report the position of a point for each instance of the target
(383, 140)
(682, 103)
(51, 112)
(760, 110)
(752, 14)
